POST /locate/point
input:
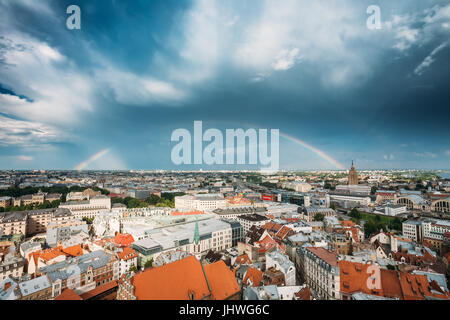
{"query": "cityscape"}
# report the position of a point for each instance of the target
(241, 151)
(217, 235)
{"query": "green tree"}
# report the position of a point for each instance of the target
(373, 190)
(153, 199)
(133, 269)
(149, 263)
(136, 203)
(319, 217)
(355, 213)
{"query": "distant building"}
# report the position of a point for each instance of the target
(308, 213)
(352, 176)
(203, 202)
(247, 221)
(88, 208)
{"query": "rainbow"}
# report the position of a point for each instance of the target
(320, 153)
(94, 157)
(297, 141)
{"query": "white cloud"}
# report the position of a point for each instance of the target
(27, 134)
(59, 92)
(286, 59)
(428, 61)
(426, 154)
(132, 89)
(447, 152)
(25, 158)
(419, 28)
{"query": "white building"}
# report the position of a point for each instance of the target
(357, 189)
(193, 238)
(128, 258)
(412, 229)
(247, 221)
(297, 186)
(202, 202)
(362, 201)
(88, 208)
(435, 229)
(394, 209)
(322, 273)
(281, 262)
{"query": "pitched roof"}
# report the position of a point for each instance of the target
(243, 258)
(127, 254)
(391, 284)
(254, 275)
(98, 290)
(181, 279)
(327, 256)
(221, 280)
(354, 277)
(68, 294)
(124, 239)
(304, 294)
(73, 251)
(173, 281)
(416, 287)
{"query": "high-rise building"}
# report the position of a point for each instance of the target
(352, 176)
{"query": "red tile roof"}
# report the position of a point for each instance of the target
(254, 275)
(98, 290)
(173, 281)
(354, 277)
(179, 279)
(68, 294)
(127, 254)
(124, 240)
(243, 259)
(327, 256)
(221, 280)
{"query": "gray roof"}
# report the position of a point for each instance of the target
(28, 245)
(13, 216)
(34, 285)
(10, 293)
(166, 237)
(261, 293)
(78, 265)
(281, 259)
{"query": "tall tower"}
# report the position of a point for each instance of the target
(196, 233)
(352, 176)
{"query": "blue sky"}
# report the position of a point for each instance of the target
(137, 70)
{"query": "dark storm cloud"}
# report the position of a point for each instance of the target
(137, 70)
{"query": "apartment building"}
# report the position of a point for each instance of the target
(250, 220)
(88, 208)
(38, 220)
(202, 202)
(5, 202)
(83, 273)
(321, 271)
(37, 198)
(14, 222)
(412, 229)
(281, 262)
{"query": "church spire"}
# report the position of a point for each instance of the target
(196, 232)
